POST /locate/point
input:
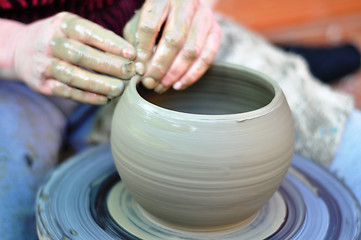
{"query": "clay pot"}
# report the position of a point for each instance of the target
(206, 157)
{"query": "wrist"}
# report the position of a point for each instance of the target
(11, 30)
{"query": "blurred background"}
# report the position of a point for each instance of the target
(305, 22)
(302, 21)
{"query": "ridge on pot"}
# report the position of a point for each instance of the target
(206, 157)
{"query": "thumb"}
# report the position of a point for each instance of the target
(130, 29)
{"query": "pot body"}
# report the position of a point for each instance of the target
(206, 157)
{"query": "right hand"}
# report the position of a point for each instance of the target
(53, 56)
(186, 48)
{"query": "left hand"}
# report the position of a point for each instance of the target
(71, 57)
(187, 47)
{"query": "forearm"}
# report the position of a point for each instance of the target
(8, 32)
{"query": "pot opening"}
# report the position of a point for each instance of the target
(221, 90)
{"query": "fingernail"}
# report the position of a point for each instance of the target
(139, 68)
(149, 82)
(128, 70)
(178, 86)
(160, 88)
(128, 53)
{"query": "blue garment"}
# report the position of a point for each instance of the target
(346, 164)
(33, 128)
(329, 63)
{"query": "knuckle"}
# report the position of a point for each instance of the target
(208, 58)
(148, 29)
(189, 81)
(64, 91)
(65, 18)
(69, 76)
(173, 75)
(70, 23)
(64, 72)
(157, 70)
(78, 55)
(108, 67)
(206, 61)
(174, 40)
(170, 78)
(191, 53)
(212, 54)
(62, 15)
(109, 45)
(57, 41)
(56, 68)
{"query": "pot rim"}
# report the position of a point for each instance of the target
(243, 116)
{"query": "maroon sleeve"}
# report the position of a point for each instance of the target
(111, 14)
(19, 4)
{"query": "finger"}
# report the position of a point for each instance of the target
(204, 60)
(82, 55)
(63, 90)
(85, 80)
(172, 41)
(130, 29)
(193, 46)
(92, 34)
(152, 17)
(130, 32)
(160, 88)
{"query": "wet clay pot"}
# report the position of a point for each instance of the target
(207, 157)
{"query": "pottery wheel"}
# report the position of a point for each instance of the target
(85, 199)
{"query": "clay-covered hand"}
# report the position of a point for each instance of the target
(187, 46)
(68, 56)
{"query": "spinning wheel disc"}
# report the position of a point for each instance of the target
(85, 199)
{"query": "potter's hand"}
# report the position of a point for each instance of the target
(52, 56)
(187, 47)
